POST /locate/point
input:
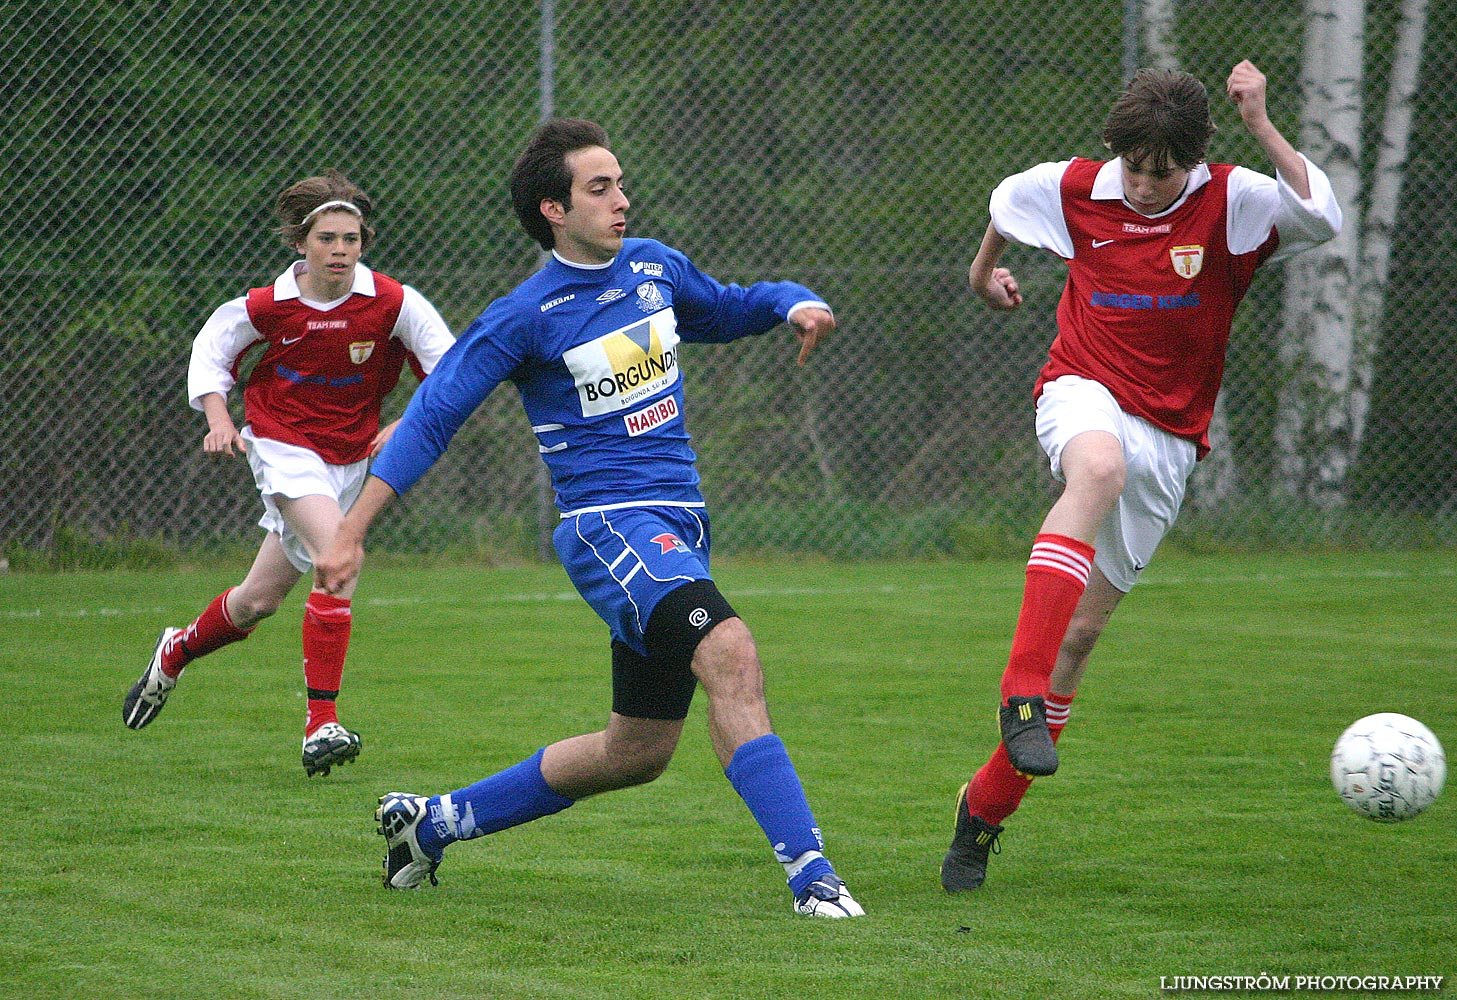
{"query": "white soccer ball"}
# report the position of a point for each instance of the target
(1388, 767)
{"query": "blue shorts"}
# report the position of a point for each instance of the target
(624, 561)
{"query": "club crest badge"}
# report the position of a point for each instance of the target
(360, 350)
(649, 299)
(1188, 261)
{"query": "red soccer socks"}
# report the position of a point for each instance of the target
(327, 622)
(1057, 574)
(209, 632)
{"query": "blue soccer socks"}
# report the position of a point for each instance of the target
(508, 798)
(765, 779)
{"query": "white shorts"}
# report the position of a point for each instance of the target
(1158, 469)
(287, 470)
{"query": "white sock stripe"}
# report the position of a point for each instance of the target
(1057, 711)
(1054, 550)
(1077, 568)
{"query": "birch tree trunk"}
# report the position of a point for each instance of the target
(1382, 206)
(1158, 33)
(1313, 432)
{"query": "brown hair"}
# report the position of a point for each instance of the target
(541, 173)
(1162, 116)
(297, 203)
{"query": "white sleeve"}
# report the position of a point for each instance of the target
(226, 334)
(1258, 203)
(422, 330)
(1027, 208)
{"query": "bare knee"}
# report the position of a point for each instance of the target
(1082, 635)
(727, 662)
(247, 608)
(642, 768)
(1102, 473)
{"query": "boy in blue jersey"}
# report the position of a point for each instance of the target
(591, 341)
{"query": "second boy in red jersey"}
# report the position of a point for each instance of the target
(1160, 247)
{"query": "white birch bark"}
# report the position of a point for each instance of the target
(1313, 427)
(1379, 224)
(1158, 18)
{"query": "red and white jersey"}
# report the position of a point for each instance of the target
(1149, 300)
(326, 366)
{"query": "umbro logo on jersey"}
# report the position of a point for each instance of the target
(611, 295)
(649, 268)
(1100, 243)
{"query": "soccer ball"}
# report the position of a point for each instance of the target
(1388, 767)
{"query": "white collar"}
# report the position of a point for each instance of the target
(1108, 185)
(584, 267)
(285, 286)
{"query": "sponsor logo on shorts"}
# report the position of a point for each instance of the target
(669, 542)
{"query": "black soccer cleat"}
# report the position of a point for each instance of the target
(1026, 736)
(329, 745)
(975, 840)
(147, 696)
(406, 862)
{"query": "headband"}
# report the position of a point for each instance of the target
(347, 206)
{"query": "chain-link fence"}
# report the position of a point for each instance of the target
(851, 146)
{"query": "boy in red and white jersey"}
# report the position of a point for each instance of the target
(1160, 247)
(334, 337)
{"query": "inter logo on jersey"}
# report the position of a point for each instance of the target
(626, 366)
(360, 350)
(1188, 261)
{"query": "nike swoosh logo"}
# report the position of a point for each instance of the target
(291, 340)
(1096, 245)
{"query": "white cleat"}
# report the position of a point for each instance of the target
(827, 897)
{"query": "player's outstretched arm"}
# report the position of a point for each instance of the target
(994, 285)
(344, 558)
(811, 325)
(1246, 87)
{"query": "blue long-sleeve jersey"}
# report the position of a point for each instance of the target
(594, 353)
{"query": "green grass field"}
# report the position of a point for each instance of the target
(1191, 831)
